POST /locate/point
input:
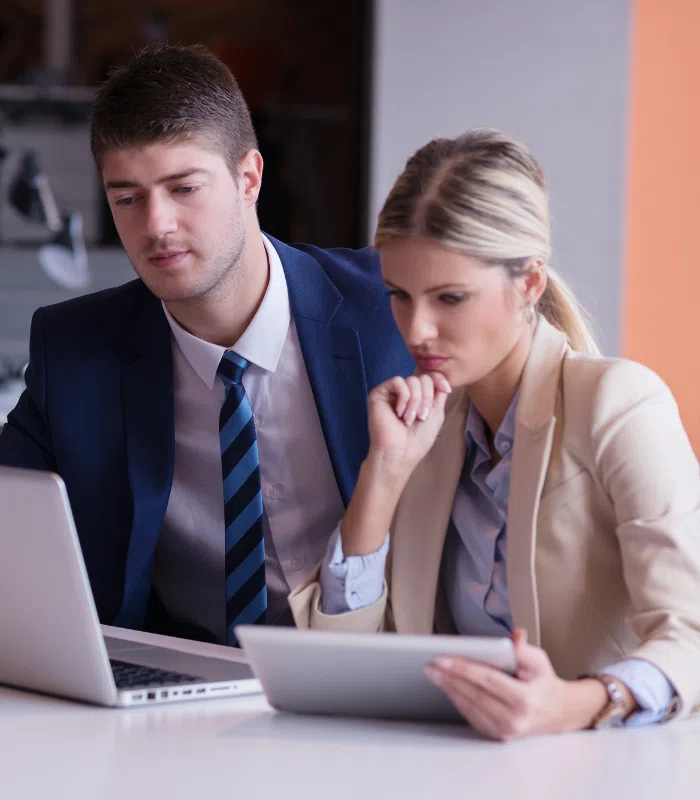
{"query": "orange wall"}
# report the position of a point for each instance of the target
(661, 319)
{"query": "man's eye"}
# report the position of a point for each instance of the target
(186, 189)
(125, 201)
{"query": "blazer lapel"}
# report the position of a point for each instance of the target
(150, 438)
(535, 423)
(333, 360)
(421, 521)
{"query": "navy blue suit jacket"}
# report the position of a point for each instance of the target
(98, 407)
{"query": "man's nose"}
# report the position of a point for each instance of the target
(160, 217)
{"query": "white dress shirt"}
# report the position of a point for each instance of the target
(302, 504)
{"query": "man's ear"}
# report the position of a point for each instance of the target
(250, 170)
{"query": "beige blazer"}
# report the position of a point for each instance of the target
(603, 543)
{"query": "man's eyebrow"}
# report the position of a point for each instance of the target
(175, 176)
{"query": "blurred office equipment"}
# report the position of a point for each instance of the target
(54, 125)
(64, 258)
(31, 195)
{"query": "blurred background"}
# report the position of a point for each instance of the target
(341, 94)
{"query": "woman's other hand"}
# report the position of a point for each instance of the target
(534, 701)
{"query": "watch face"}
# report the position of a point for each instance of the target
(612, 716)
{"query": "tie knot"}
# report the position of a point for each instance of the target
(231, 368)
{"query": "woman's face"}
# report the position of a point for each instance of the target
(457, 315)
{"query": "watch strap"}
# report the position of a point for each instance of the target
(613, 713)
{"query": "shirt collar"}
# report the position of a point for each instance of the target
(503, 440)
(261, 342)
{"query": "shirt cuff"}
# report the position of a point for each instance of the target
(649, 687)
(354, 582)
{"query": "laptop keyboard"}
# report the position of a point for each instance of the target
(136, 676)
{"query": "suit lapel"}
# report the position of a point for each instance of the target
(150, 437)
(421, 523)
(333, 360)
(535, 423)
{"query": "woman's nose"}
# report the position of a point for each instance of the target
(421, 329)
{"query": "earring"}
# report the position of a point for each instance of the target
(530, 315)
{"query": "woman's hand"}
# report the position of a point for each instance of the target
(405, 417)
(534, 701)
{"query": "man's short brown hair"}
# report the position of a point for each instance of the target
(172, 93)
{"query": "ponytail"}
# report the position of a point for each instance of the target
(560, 308)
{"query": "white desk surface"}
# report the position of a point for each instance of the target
(240, 748)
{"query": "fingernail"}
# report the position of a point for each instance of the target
(410, 417)
(424, 414)
(433, 674)
(444, 663)
(400, 410)
(445, 386)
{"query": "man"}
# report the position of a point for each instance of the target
(209, 418)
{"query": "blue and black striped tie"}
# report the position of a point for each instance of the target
(246, 593)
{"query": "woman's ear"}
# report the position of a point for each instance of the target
(534, 282)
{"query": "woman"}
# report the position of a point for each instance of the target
(532, 487)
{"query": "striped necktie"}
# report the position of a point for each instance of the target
(246, 593)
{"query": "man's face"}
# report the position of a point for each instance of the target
(180, 215)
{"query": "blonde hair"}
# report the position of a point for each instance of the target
(483, 194)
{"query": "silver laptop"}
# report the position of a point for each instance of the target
(378, 675)
(50, 636)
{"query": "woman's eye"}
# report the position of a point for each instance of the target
(397, 294)
(452, 299)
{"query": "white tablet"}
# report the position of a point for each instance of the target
(359, 674)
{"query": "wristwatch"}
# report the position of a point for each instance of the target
(614, 710)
